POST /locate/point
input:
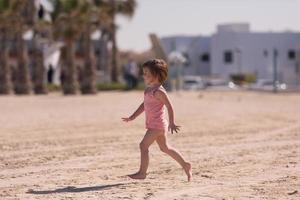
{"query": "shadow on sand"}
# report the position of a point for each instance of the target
(74, 189)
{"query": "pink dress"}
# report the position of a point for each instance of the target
(154, 109)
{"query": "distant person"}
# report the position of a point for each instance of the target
(50, 74)
(131, 74)
(155, 73)
(176, 81)
(134, 72)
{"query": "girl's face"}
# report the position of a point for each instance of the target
(149, 79)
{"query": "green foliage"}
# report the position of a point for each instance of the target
(140, 86)
(126, 8)
(64, 7)
(4, 5)
(68, 33)
(100, 87)
(241, 79)
(98, 2)
(237, 78)
(250, 78)
(56, 12)
(110, 86)
(69, 5)
(53, 87)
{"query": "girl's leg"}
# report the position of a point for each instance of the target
(149, 138)
(164, 147)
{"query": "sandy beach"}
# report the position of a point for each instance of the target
(242, 145)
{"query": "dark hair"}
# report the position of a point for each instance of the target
(157, 68)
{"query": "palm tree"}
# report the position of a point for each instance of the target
(125, 8)
(36, 52)
(38, 25)
(114, 8)
(38, 70)
(89, 21)
(66, 28)
(88, 73)
(100, 14)
(16, 17)
(73, 22)
(5, 81)
(22, 84)
(104, 25)
(76, 18)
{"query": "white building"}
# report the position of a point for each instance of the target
(196, 50)
(235, 49)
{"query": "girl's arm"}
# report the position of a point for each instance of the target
(135, 114)
(164, 98)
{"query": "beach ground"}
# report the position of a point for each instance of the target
(242, 145)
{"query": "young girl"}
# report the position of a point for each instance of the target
(155, 72)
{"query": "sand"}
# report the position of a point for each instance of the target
(243, 145)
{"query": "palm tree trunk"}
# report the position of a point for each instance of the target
(37, 57)
(22, 83)
(88, 76)
(38, 70)
(104, 61)
(114, 61)
(69, 72)
(5, 81)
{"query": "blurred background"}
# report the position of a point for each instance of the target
(83, 46)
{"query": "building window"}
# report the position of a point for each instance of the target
(291, 54)
(205, 57)
(228, 57)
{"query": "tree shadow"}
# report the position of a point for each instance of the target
(73, 189)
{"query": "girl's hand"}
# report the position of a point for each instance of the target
(173, 127)
(127, 119)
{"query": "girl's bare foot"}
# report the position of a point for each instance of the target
(188, 170)
(137, 176)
